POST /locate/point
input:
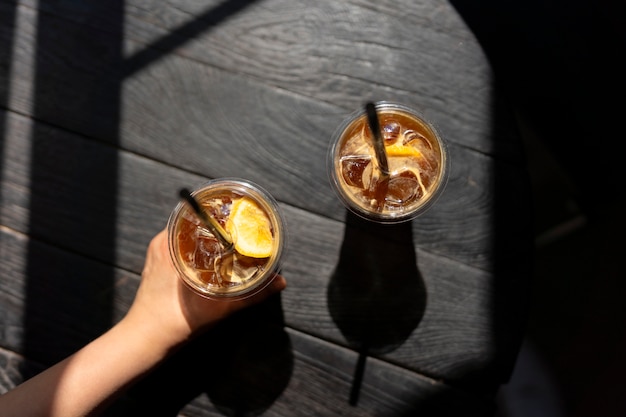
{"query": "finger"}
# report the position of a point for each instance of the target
(278, 284)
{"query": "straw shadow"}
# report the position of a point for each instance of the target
(243, 365)
(376, 294)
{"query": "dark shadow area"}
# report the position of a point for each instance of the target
(558, 64)
(60, 321)
(79, 74)
(511, 254)
(73, 186)
(7, 27)
(449, 402)
(577, 320)
(376, 294)
(243, 366)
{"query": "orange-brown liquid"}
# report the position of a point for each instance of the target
(414, 158)
(203, 255)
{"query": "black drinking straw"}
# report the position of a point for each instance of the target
(215, 228)
(379, 146)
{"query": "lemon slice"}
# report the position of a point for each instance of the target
(250, 229)
(402, 150)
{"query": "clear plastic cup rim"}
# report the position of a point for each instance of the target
(268, 203)
(351, 203)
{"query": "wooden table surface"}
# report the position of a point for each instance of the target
(108, 108)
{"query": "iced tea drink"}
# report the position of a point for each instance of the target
(252, 219)
(416, 158)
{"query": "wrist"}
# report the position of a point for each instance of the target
(152, 333)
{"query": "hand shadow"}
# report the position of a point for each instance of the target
(376, 295)
(242, 365)
(254, 367)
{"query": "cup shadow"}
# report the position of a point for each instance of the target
(376, 294)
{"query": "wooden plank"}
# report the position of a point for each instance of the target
(447, 307)
(15, 369)
(186, 113)
(385, 390)
(54, 302)
(405, 305)
(63, 310)
(417, 52)
(193, 120)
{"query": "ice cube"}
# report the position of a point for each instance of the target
(417, 140)
(353, 168)
(391, 132)
(403, 188)
(206, 250)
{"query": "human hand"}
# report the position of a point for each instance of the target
(169, 311)
(164, 314)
